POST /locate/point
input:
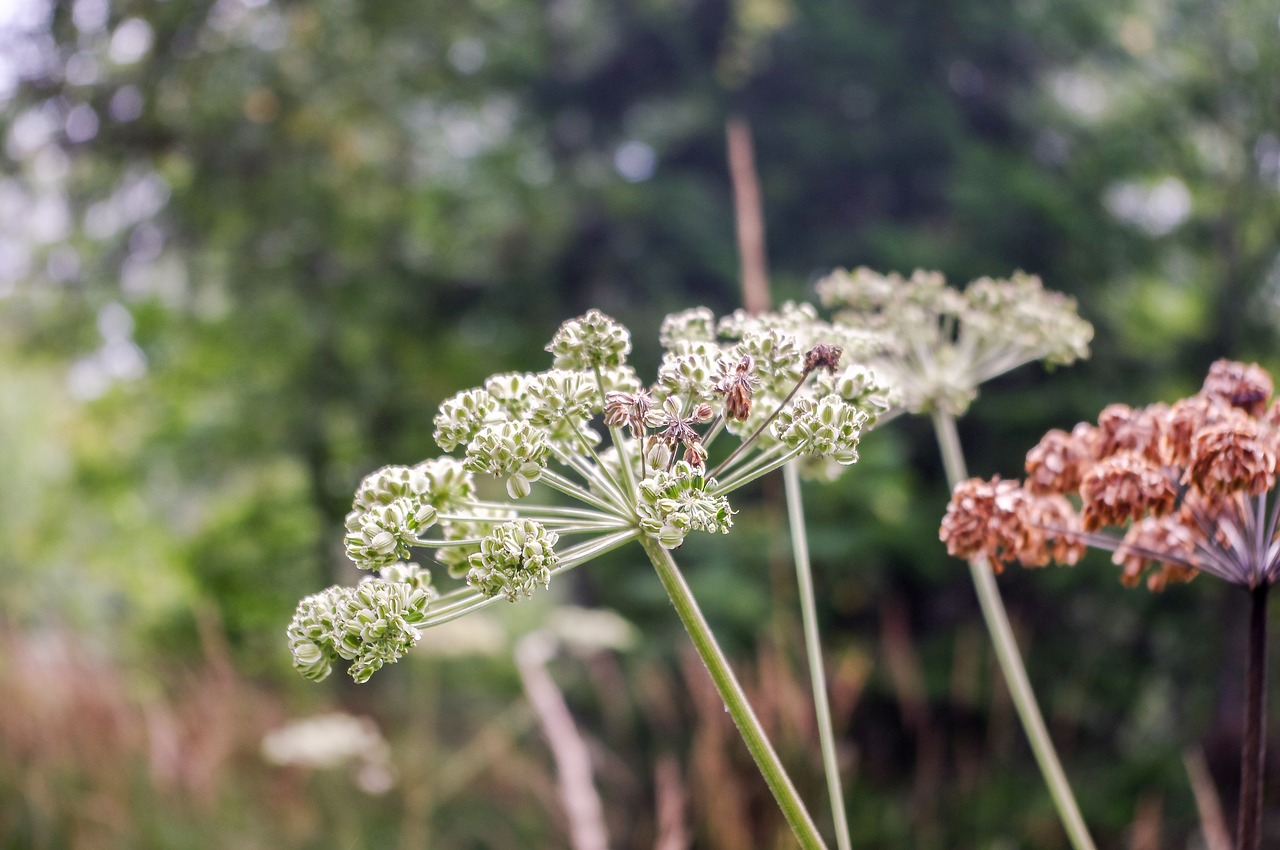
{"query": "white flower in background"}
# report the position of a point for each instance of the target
(333, 740)
(938, 343)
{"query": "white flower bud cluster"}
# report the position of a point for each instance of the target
(514, 559)
(371, 624)
(697, 324)
(862, 387)
(389, 484)
(689, 371)
(591, 341)
(381, 535)
(449, 484)
(673, 503)
(461, 417)
(829, 427)
(515, 451)
(560, 394)
(938, 344)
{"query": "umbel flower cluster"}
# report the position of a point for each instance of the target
(1189, 486)
(939, 343)
(770, 385)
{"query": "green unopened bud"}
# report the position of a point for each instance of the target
(829, 427)
(461, 418)
(673, 503)
(515, 451)
(514, 560)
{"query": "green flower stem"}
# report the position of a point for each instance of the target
(590, 452)
(813, 649)
(1010, 659)
(464, 600)
(734, 699)
(590, 474)
(772, 458)
(755, 435)
(564, 485)
(530, 510)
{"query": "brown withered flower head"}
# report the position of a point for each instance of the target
(736, 386)
(1171, 490)
(822, 356)
(629, 409)
(675, 429)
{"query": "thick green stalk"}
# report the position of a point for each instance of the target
(1010, 660)
(735, 700)
(813, 652)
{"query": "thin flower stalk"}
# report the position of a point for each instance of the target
(1184, 489)
(813, 652)
(773, 383)
(1010, 658)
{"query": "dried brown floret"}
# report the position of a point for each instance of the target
(630, 409)
(1052, 532)
(1122, 428)
(1143, 544)
(983, 518)
(1124, 487)
(736, 387)
(824, 356)
(1243, 385)
(1057, 463)
(1189, 415)
(1229, 458)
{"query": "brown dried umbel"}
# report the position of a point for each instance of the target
(1188, 486)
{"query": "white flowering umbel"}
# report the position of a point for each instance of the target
(772, 385)
(939, 343)
(371, 624)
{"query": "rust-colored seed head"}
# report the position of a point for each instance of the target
(1243, 385)
(1122, 488)
(1156, 535)
(983, 519)
(1122, 428)
(1230, 458)
(1055, 465)
(1052, 532)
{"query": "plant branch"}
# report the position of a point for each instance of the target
(813, 651)
(731, 692)
(1009, 658)
(1253, 749)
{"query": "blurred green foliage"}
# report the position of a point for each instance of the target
(247, 246)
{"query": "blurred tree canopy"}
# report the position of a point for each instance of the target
(247, 246)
